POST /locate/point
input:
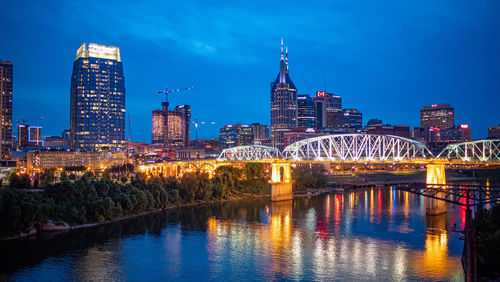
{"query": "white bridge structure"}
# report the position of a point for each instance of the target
(357, 147)
(249, 153)
(481, 150)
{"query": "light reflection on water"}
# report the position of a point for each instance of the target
(374, 234)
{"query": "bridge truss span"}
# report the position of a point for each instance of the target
(249, 153)
(487, 150)
(357, 147)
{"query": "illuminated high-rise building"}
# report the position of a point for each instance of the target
(6, 87)
(441, 116)
(260, 133)
(29, 136)
(171, 128)
(232, 135)
(157, 127)
(283, 103)
(306, 114)
(97, 116)
(325, 103)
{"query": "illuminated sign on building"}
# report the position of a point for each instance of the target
(320, 93)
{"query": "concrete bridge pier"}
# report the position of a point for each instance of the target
(281, 181)
(435, 175)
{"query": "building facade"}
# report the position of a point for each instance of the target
(97, 116)
(459, 133)
(260, 133)
(494, 132)
(347, 118)
(6, 90)
(283, 103)
(325, 103)
(232, 135)
(157, 127)
(437, 115)
(395, 130)
(306, 113)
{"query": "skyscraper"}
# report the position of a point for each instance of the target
(232, 135)
(306, 114)
(171, 128)
(157, 127)
(441, 116)
(283, 103)
(325, 103)
(260, 133)
(97, 116)
(6, 86)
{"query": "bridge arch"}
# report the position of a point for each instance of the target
(357, 147)
(249, 153)
(486, 150)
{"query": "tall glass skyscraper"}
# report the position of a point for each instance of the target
(6, 82)
(306, 111)
(97, 116)
(283, 104)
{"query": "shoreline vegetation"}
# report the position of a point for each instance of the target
(73, 204)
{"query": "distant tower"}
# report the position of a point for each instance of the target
(97, 110)
(283, 103)
(6, 82)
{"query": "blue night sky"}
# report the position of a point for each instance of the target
(385, 58)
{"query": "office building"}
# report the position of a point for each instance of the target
(171, 128)
(325, 103)
(347, 118)
(387, 129)
(459, 133)
(283, 103)
(232, 135)
(97, 116)
(494, 132)
(306, 114)
(437, 115)
(301, 133)
(157, 127)
(373, 122)
(260, 133)
(6, 88)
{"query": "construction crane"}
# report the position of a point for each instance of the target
(197, 123)
(168, 91)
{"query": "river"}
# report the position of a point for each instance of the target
(371, 234)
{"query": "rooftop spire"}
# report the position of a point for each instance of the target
(286, 58)
(281, 48)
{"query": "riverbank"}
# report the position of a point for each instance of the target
(32, 231)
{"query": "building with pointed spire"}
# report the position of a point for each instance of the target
(283, 103)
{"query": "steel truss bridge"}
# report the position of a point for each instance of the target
(342, 149)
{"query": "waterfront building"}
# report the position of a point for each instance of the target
(189, 153)
(459, 133)
(42, 160)
(306, 113)
(232, 135)
(6, 90)
(97, 115)
(325, 103)
(260, 133)
(283, 103)
(494, 132)
(437, 115)
(347, 118)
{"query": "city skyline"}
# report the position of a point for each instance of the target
(440, 75)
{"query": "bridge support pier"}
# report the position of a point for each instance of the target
(435, 175)
(281, 182)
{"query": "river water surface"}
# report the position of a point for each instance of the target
(372, 234)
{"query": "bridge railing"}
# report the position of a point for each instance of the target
(249, 153)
